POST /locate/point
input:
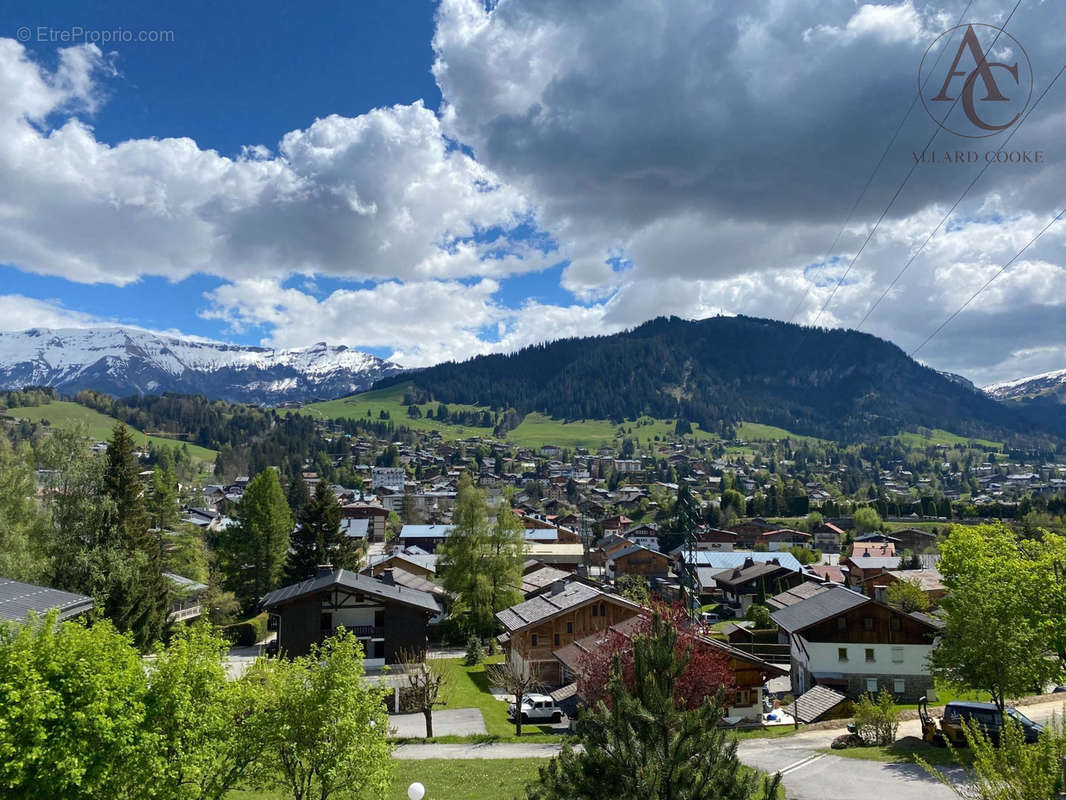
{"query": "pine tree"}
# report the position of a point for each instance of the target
(298, 496)
(139, 603)
(645, 745)
(252, 551)
(318, 538)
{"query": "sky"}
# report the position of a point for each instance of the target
(433, 180)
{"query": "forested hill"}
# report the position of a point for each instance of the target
(835, 384)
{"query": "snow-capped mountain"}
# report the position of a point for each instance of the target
(126, 361)
(1047, 384)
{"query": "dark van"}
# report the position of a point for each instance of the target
(987, 718)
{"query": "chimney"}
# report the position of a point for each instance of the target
(558, 587)
(388, 577)
(881, 594)
(749, 562)
(323, 569)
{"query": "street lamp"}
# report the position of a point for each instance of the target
(416, 791)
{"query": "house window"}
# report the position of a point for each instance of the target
(603, 609)
(842, 654)
(871, 684)
(569, 627)
(533, 640)
(556, 640)
(842, 623)
(868, 623)
(870, 654)
(325, 622)
(899, 686)
(595, 611)
(894, 623)
(897, 655)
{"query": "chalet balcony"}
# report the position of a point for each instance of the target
(186, 613)
(366, 631)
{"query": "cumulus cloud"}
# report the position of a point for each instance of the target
(381, 195)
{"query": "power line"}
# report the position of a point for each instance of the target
(880, 161)
(951, 210)
(906, 178)
(973, 297)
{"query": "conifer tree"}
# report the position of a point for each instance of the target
(252, 551)
(318, 538)
(646, 745)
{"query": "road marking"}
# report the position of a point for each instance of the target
(803, 762)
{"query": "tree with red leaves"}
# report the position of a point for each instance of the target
(706, 670)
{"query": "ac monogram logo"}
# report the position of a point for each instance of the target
(1005, 87)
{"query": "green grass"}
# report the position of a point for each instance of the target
(468, 687)
(537, 430)
(905, 751)
(446, 779)
(67, 415)
(390, 400)
(939, 436)
(757, 432)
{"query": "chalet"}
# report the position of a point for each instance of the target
(828, 573)
(878, 549)
(784, 539)
(795, 594)
(615, 524)
(748, 532)
(387, 618)
(646, 534)
(416, 563)
(534, 629)
(753, 582)
(853, 644)
(864, 567)
(714, 539)
(19, 600)
(828, 537)
(541, 579)
(563, 556)
(375, 512)
(915, 540)
(750, 673)
(929, 581)
(428, 537)
(638, 560)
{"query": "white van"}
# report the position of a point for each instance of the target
(537, 708)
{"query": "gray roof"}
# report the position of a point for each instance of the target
(424, 560)
(876, 562)
(355, 528)
(356, 582)
(548, 605)
(184, 585)
(728, 559)
(797, 594)
(426, 531)
(814, 609)
(815, 702)
(18, 600)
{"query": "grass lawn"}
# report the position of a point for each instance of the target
(468, 687)
(905, 751)
(369, 406)
(64, 414)
(537, 430)
(447, 779)
(938, 436)
(757, 432)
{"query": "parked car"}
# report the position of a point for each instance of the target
(536, 708)
(985, 715)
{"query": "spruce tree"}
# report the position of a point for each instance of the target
(138, 603)
(297, 495)
(643, 745)
(318, 538)
(252, 551)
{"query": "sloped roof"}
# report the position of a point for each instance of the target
(830, 603)
(545, 606)
(355, 582)
(796, 594)
(184, 585)
(426, 531)
(545, 576)
(815, 703)
(18, 600)
(728, 559)
(875, 562)
(741, 575)
(929, 580)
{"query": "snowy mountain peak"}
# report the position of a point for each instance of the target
(125, 361)
(1046, 383)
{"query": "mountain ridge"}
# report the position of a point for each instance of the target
(126, 361)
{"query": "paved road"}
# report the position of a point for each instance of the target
(446, 722)
(808, 774)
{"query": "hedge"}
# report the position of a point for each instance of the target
(247, 632)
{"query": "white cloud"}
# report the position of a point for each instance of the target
(381, 195)
(19, 312)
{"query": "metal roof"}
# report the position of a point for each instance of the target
(18, 600)
(183, 584)
(426, 531)
(728, 559)
(356, 582)
(814, 609)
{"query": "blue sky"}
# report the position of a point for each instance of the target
(431, 180)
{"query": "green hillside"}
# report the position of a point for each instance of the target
(937, 436)
(64, 414)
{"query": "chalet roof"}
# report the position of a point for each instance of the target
(876, 562)
(18, 600)
(354, 581)
(814, 703)
(414, 581)
(727, 559)
(796, 594)
(830, 603)
(426, 531)
(427, 561)
(628, 551)
(738, 576)
(544, 576)
(929, 580)
(545, 606)
(834, 573)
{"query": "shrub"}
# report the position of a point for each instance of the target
(877, 720)
(473, 651)
(247, 632)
